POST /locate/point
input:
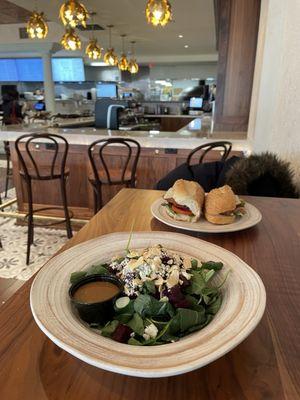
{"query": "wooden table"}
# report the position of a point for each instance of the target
(265, 366)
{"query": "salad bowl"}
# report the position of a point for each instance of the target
(242, 308)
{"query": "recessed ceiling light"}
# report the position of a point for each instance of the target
(180, 36)
(186, 46)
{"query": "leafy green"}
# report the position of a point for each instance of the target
(136, 324)
(99, 269)
(109, 328)
(125, 314)
(197, 283)
(148, 306)
(186, 319)
(134, 342)
(77, 276)
(214, 307)
(216, 266)
(149, 287)
(194, 263)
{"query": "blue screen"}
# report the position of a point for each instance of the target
(8, 70)
(107, 90)
(196, 102)
(68, 70)
(30, 69)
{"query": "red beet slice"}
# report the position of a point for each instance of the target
(122, 334)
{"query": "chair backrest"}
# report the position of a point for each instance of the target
(204, 149)
(97, 149)
(55, 144)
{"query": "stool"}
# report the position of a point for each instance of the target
(30, 171)
(8, 171)
(112, 176)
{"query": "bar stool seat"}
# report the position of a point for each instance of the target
(44, 173)
(30, 170)
(115, 177)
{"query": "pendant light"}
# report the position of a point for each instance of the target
(133, 66)
(93, 50)
(158, 12)
(123, 62)
(70, 40)
(110, 57)
(72, 13)
(37, 28)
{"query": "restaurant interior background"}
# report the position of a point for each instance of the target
(220, 70)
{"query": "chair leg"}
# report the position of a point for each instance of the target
(65, 205)
(7, 174)
(30, 232)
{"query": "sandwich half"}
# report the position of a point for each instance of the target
(185, 201)
(222, 206)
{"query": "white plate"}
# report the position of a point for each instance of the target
(251, 218)
(243, 305)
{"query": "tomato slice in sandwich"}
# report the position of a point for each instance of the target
(180, 210)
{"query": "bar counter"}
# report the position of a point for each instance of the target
(161, 152)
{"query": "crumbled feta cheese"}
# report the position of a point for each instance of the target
(173, 279)
(146, 337)
(151, 331)
(187, 264)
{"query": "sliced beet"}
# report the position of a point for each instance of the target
(122, 334)
(185, 282)
(177, 298)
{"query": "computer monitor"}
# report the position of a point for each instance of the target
(196, 102)
(107, 90)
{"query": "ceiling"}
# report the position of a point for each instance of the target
(194, 19)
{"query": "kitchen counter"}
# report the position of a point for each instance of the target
(169, 116)
(194, 134)
(161, 152)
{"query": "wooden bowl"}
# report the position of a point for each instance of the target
(244, 300)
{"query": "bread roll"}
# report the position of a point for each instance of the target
(188, 194)
(220, 201)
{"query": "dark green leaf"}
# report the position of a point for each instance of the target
(99, 269)
(216, 266)
(77, 276)
(148, 306)
(197, 283)
(186, 319)
(215, 306)
(109, 328)
(149, 287)
(136, 324)
(134, 342)
(194, 263)
(125, 314)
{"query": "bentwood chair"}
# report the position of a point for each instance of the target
(102, 174)
(8, 174)
(57, 150)
(204, 149)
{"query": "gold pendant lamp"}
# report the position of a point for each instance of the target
(158, 12)
(133, 66)
(123, 62)
(110, 57)
(72, 13)
(70, 40)
(93, 50)
(37, 27)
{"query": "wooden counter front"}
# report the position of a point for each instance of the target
(153, 165)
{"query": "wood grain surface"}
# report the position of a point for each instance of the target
(265, 366)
